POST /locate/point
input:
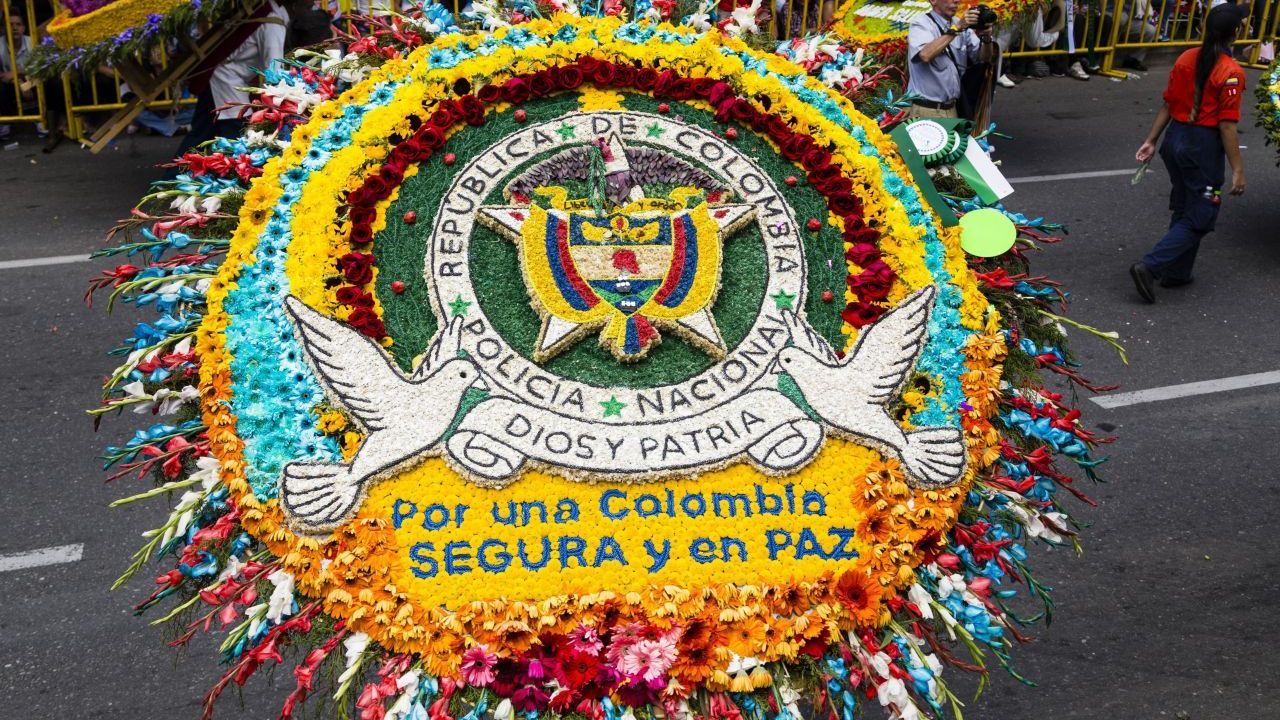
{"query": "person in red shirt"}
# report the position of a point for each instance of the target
(1201, 110)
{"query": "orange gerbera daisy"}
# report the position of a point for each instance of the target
(861, 595)
(746, 636)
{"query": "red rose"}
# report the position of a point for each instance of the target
(868, 287)
(778, 129)
(794, 147)
(361, 234)
(445, 116)
(515, 91)
(414, 150)
(744, 111)
(354, 296)
(541, 83)
(362, 215)
(702, 86)
(646, 78)
(432, 137)
(588, 64)
(665, 81)
(862, 254)
(682, 89)
(377, 188)
(816, 159)
(720, 92)
(861, 314)
(489, 94)
(367, 322)
(624, 75)
(844, 204)
(356, 267)
(827, 184)
(568, 77)
(880, 270)
(724, 111)
(360, 197)
(603, 73)
(472, 109)
(860, 236)
(392, 173)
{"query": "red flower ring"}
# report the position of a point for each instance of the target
(869, 287)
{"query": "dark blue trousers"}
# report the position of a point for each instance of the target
(1197, 163)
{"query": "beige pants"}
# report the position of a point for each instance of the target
(920, 111)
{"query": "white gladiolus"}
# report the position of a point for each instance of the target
(352, 647)
(280, 604)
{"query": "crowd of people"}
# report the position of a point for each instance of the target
(216, 85)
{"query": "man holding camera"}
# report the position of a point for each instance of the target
(940, 48)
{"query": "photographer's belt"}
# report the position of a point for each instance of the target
(934, 104)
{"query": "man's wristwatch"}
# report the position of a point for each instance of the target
(953, 30)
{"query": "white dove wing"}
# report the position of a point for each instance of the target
(804, 338)
(355, 371)
(886, 351)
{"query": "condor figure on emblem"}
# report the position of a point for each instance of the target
(626, 267)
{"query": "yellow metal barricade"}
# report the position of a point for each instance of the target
(21, 97)
(1083, 33)
(1148, 24)
(94, 97)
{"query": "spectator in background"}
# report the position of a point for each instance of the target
(16, 93)
(308, 25)
(1137, 24)
(940, 47)
(233, 65)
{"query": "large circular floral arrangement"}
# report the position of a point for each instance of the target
(586, 368)
(1269, 103)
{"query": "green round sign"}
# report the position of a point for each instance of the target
(987, 233)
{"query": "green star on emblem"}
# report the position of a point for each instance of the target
(783, 300)
(459, 306)
(566, 131)
(655, 130)
(612, 406)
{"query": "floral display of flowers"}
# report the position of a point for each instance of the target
(307, 204)
(1269, 103)
(91, 33)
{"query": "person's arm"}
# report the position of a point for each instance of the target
(1231, 143)
(938, 45)
(1148, 149)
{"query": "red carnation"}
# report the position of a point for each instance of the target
(356, 267)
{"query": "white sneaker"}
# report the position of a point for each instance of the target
(1005, 81)
(1077, 72)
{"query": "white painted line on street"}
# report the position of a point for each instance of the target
(1172, 392)
(44, 556)
(37, 262)
(1071, 176)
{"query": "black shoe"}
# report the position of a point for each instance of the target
(1172, 283)
(1143, 281)
(1134, 64)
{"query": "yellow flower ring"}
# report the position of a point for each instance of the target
(107, 21)
(410, 570)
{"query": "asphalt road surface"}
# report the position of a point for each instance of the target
(1170, 612)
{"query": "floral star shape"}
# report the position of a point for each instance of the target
(459, 306)
(783, 300)
(612, 406)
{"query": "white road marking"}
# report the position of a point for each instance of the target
(43, 556)
(1071, 176)
(1172, 392)
(37, 262)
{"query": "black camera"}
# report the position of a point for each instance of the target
(986, 18)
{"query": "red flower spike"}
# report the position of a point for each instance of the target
(410, 217)
(814, 224)
(397, 287)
